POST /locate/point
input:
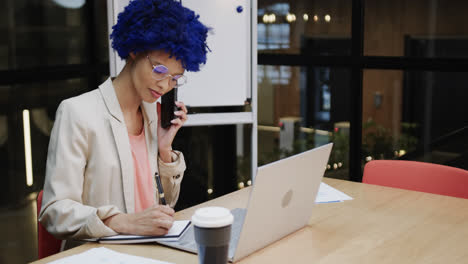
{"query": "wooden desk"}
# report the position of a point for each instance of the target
(381, 225)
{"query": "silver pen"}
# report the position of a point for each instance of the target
(160, 188)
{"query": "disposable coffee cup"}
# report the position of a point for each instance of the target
(212, 228)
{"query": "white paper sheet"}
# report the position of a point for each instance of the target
(328, 194)
(103, 255)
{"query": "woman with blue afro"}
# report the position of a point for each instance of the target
(108, 150)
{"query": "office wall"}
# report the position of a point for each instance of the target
(386, 25)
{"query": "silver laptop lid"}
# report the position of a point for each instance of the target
(282, 198)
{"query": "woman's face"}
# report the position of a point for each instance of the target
(146, 85)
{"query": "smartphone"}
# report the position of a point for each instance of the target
(168, 107)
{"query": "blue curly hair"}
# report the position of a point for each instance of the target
(161, 25)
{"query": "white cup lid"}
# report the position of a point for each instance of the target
(212, 217)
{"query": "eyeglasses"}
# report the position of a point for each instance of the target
(161, 72)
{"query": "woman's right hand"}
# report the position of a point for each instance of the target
(154, 221)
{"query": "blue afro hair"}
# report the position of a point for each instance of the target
(161, 25)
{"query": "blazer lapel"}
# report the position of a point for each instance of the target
(151, 127)
(119, 130)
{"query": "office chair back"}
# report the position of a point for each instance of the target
(47, 244)
(417, 176)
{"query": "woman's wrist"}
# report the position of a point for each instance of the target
(165, 155)
(119, 223)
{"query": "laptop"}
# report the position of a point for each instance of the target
(280, 203)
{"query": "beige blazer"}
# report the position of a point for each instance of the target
(90, 173)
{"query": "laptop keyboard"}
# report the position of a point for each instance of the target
(187, 241)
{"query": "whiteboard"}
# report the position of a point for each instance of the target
(225, 79)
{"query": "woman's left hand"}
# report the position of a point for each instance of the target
(166, 136)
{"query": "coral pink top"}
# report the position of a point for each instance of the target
(143, 180)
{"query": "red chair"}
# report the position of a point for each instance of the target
(417, 176)
(47, 244)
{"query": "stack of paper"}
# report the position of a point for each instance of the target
(328, 194)
(105, 256)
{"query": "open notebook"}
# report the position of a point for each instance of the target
(176, 231)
